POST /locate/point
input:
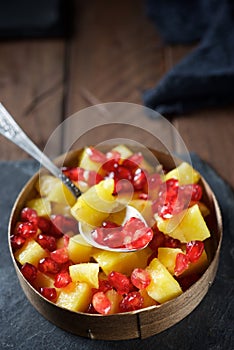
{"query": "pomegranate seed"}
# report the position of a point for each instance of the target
(80, 174)
(104, 286)
(110, 165)
(95, 155)
(47, 265)
(140, 278)
(181, 263)
(123, 173)
(194, 250)
(90, 309)
(60, 255)
(144, 196)
(132, 301)
(44, 225)
(139, 179)
(170, 242)
(101, 303)
(62, 279)
(48, 293)
(62, 224)
(136, 158)
(29, 271)
(26, 229)
(93, 178)
(46, 242)
(130, 165)
(113, 155)
(119, 281)
(17, 242)
(111, 237)
(140, 238)
(65, 266)
(29, 214)
(196, 193)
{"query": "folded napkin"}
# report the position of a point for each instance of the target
(205, 77)
(209, 326)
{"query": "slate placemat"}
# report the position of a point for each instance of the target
(210, 326)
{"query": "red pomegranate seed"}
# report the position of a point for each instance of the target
(130, 165)
(44, 225)
(61, 255)
(72, 173)
(26, 229)
(140, 238)
(95, 155)
(101, 303)
(93, 178)
(113, 155)
(136, 158)
(170, 242)
(17, 242)
(140, 278)
(132, 301)
(65, 266)
(194, 250)
(123, 173)
(62, 224)
(139, 179)
(144, 196)
(181, 263)
(48, 293)
(110, 165)
(111, 237)
(29, 271)
(196, 193)
(47, 242)
(119, 281)
(62, 279)
(47, 265)
(104, 286)
(29, 214)
(90, 309)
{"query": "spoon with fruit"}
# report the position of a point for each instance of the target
(98, 203)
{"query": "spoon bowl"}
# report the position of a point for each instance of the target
(12, 131)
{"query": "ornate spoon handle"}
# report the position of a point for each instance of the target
(11, 130)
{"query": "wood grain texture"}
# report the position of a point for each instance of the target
(31, 87)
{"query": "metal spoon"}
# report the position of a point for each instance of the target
(12, 131)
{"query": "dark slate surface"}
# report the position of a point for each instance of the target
(208, 327)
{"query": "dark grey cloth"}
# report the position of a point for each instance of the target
(208, 327)
(205, 77)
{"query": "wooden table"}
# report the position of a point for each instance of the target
(114, 55)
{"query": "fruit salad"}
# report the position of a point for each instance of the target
(66, 270)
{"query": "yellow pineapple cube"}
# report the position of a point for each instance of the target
(85, 272)
(31, 252)
(43, 280)
(79, 250)
(76, 296)
(94, 206)
(163, 286)
(87, 163)
(41, 205)
(115, 298)
(124, 151)
(184, 173)
(145, 208)
(54, 190)
(186, 226)
(121, 262)
(167, 256)
(148, 301)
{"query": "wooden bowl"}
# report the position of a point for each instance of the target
(137, 324)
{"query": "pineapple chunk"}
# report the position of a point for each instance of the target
(54, 190)
(145, 208)
(87, 163)
(86, 272)
(184, 173)
(79, 250)
(94, 206)
(76, 297)
(124, 151)
(41, 205)
(167, 256)
(121, 262)
(31, 252)
(163, 286)
(186, 226)
(148, 301)
(115, 298)
(43, 280)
